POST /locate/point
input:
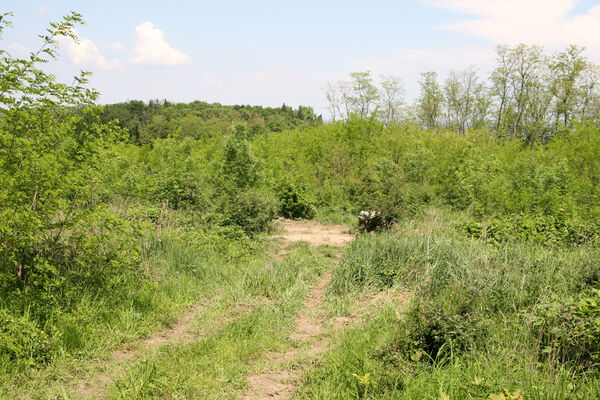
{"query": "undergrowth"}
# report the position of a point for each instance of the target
(484, 319)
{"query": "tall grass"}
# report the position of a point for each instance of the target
(474, 325)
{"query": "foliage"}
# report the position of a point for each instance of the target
(569, 328)
(294, 201)
(432, 333)
(239, 168)
(529, 96)
(156, 119)
(541, 229)
(252, 210)
(507, 395)
(22, 339)
(106, 237)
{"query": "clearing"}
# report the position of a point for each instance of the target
(273, 368)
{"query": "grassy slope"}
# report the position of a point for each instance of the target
(248, 306)
(498, 286)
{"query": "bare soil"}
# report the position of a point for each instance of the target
(314, 233)
(280, 381)
(277, 382)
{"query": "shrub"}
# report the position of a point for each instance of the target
(253, 210)
(103, 248)
(569, 329)
(533, 228)
(393, 197)
(431, 332)
(369, 221)
(294, 201)
(20, 338)
(239, 167)
(178, 189)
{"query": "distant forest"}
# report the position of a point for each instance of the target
(529, 95)
(161, 119)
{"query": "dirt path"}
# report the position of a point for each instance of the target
(95, 386)
(279, 381)
(274, 383)
(314, 233)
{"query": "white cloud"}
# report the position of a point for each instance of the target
(44, 10)
(151, 48)
(86, 53)
(116, 46)
(544, 22)
(18, 49)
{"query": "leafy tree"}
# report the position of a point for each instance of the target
(391, 99)
(430, 101)
(51, 142)
(239, 166)
(566, 67)
(528, 61)
(358, 95)
(239, 198)
(364, 93)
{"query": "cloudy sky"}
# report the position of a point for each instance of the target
(269, 52)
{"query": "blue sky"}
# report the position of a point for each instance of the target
(270, 52)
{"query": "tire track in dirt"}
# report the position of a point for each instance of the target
(281, 381)
(95, 386)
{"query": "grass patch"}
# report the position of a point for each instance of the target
(480, 321)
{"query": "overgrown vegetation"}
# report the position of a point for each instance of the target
(200, 120)
(116, 218)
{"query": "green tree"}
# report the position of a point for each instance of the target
(364, 94)
(528, 62)
(51, 143)
(239, 167)
(391, 99)
(430, 100)
(356, 96)
(566, 67)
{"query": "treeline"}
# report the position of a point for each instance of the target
(529, 95)
(161, 119)
(103, 209)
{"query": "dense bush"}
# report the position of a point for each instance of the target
(21, 339)
(535, 228)
(294, 201)
(402, 170)
(434, 332)
(569, 329)
(252, 210)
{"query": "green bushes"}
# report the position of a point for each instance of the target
(436, 332)
(401, 171)
(569, 329)
(99, 257)
(21, 339)
(252, 210)
(86, 247)
(294, 200)
(179, 190)
(477, 309)
(394, 190)
(240, 199)
(534, 228)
